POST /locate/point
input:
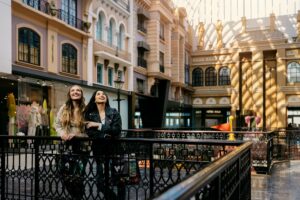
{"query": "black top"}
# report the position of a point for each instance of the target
(110, 129)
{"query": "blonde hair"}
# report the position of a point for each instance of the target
(68, 111)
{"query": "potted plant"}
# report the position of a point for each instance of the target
(52, 8)
(86, 26)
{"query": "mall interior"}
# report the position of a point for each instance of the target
(165, 65)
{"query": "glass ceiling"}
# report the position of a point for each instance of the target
(209, 11)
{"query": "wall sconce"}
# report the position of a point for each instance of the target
(124, 69)
(106, 63)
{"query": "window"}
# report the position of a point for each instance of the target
(69, 59)
(121, 37)
(161, 62)
(197, 77)
(99, 27)
(29, 46)
(33, 3)
(140, 85)
(141, 24)
(110, 76)
(186, 68)
(293, 72)
(210, 77)
(69, 12)
(224, 76)
(111, 31)
(99, 73)
(162, 32)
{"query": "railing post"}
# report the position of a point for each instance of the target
(36, 167)
(151, 171)
(3, 168)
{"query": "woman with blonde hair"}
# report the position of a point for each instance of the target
(69, 123)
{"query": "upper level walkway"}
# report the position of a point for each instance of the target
(283, 183)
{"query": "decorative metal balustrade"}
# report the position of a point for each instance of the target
(31, 166)
(227, 178)
(45, 7)
(262, 149)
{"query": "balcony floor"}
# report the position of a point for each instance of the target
(283, 183)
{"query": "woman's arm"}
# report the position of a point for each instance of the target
(113, 124)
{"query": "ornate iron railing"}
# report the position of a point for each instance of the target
(262, 150)
(36, 167)
(227, 178)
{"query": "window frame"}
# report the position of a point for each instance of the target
(224, 79)
(197, 79)
(71, 50)
(31, 41)
(295, 73)
(210, 76)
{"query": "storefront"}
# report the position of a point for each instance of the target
(29, 106)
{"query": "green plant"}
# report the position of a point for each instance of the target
(86, 25)
(52, 8)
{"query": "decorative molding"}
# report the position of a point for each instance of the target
(197, 101)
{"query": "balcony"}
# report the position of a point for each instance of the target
(142, 62)
(49, 9)
(141, 28)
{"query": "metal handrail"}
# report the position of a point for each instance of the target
(191, 186)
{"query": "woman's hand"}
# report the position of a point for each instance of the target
(92, 124)
(66, 136)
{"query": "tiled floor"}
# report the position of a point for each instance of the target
(283, 183)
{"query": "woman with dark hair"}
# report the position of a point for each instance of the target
(102, 121)
(69, 123)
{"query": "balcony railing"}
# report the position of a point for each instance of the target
(44, 6)
(40, 5)
(41, 167)
(142, 28)
(142, 62)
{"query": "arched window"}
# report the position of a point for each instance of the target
(293, 72)
(210, 77)
(29, 46)
(224, 76)
(69, 59)
(197, 75)
(99, 27)
(111, 31)
(69, 12)
(121, 37)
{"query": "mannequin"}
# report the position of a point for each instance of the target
(34, 119)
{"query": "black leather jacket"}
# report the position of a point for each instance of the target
(111, 128)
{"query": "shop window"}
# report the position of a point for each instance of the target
(110, 76)
(197, 77)
(210, 77)
(293, 72)
(224, 76)
(69, 59)
(29, 46)
(69, 12)
(99, 73)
